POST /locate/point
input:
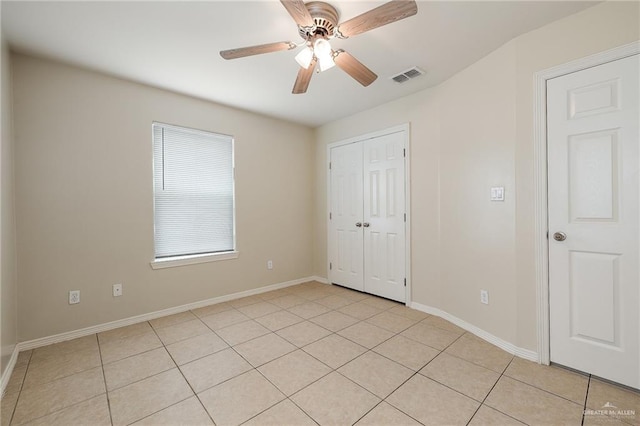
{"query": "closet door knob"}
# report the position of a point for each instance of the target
(358, 224)
(366, 224)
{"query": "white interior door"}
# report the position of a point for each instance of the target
(367, 216)
(594, 191)
(345, 229)
(384, 216)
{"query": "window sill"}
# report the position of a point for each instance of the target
(172, 262)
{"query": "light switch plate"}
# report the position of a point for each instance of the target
(497, 193)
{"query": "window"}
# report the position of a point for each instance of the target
(193, 193)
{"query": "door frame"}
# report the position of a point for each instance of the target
(402, 128)
(540, 180)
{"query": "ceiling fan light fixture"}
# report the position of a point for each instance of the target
(317, 22)
(304, 57)
(322, 50)
(326, 62)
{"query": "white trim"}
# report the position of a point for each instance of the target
(172, 262)
(57, 338)
(319, 279)
(6, 374)
(484, 335)
(540, 179)
(404, 128)
(407, 209)
(395, 129)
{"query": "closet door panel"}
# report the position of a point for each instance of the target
(345, 236)
(384, 216)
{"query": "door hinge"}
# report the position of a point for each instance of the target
(547, 235)
(404, 152)
(405, 217)
(405, 282)
(330, 216)
(329, 165)
(330, 266)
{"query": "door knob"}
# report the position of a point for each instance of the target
(358, 224)
(366, 224)
(559, 236)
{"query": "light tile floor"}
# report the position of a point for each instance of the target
(304, 355)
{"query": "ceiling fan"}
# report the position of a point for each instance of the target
(317, 23)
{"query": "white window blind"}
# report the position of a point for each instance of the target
(193, 192)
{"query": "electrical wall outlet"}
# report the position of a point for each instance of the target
(269, 264)
(117, 290)
(74, 297)
(484, 297)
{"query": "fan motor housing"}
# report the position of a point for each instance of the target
(325, 18)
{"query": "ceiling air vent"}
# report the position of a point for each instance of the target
(407, 75)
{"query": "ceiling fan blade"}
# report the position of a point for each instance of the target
(241, 52)
(354, 68)
(298, 12)
(392, 11)
(303, 79)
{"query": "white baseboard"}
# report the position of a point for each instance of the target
(57, 338)
(502, 344)
(320, 279)
(6, 374)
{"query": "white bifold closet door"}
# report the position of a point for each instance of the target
(345, 237)
(367, 216)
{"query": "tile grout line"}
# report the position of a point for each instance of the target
(64, 377)
(188, 384)
(320, 378)
(586, 398)
(240, 355)
(385, 400)
(287, 397)
(482, 403)
(543, 390)
(303, 320)
(104, 378)
(335, 370)
(273, 384)
(63, 408)
(192, 337)
(434, 380)
(476, 364)
(185, 379)
(15, 407)
(416, 372)
(371, 350)
(494, 385)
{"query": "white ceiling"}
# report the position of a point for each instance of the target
(175, 45)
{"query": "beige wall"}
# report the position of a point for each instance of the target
(8, 283)
(477, 244)
(83, 165)
(591, 31)
(470, 133)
